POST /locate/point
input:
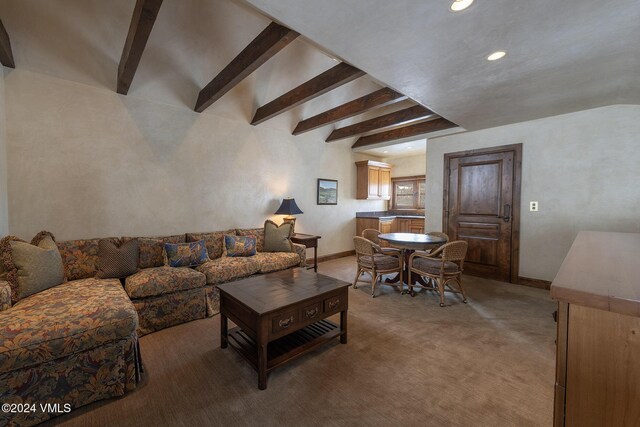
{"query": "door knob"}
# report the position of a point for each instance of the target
(507, 213)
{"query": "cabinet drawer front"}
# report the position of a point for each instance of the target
(284, 321)
(335, 304)
(312, 311)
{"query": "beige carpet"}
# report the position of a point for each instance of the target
(408, 362)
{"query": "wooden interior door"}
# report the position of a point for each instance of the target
(482, 198)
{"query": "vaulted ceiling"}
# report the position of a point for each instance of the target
(368, 71)
(562, 56)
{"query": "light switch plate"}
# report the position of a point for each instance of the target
(533, 206)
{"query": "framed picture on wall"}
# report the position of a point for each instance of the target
(327, 191)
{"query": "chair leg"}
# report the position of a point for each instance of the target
(441, 284)
(374, 280)
(464, 295)
(355, 281)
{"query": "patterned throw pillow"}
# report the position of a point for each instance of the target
(117, 262)
(277, 238)
(237, 246)
(186, 254)
(30, 267)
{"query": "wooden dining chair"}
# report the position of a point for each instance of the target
(373, 260)
(441, 266)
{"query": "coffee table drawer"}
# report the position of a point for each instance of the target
(335, 303)
(310, 312)
(284, 321)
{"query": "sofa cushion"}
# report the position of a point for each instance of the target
(186, 254)
(152, 248)
(258, 232)
(117, 262)
(274, 261)
(80, 257)
(214, 241)
(150, 282)
(225, 269)
(63, 320)
(239, 246)
(277, 238)
(30, 268)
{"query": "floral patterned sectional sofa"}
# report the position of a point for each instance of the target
(77, 342)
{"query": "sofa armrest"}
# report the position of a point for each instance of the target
(5, 295)
(301, 250)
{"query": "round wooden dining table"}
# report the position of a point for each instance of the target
(408, 243)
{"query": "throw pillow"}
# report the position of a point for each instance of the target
(186, 254)
(31, 268)
(117, 262)
(277, 238)
(237, 246)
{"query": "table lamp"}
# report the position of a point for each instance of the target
(289, 208)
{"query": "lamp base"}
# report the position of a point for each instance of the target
(292, 221)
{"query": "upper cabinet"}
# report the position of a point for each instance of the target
(374, 180)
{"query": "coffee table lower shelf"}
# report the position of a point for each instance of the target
(286, 348)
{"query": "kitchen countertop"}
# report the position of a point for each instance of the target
(386, 215)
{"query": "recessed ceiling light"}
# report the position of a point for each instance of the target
(385, 151)
(408, 148)
(496, 55)
(459, 5)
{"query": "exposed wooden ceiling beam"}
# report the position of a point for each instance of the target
(144, 16)
(377, 99)
(408, 115)
(332, 78)
(6, 55)
(404, 132)
(269, 42)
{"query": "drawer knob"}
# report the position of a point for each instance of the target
(285, 323)
(312, 312)
(333, 304)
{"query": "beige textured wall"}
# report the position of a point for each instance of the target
(583, 169)
(87, 162)
(409, 165)
(4, 210)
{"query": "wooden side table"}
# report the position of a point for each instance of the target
(309, 241)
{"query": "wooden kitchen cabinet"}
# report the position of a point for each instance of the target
(384, 225)
(598, 337)
(373, 180)
(409, 225)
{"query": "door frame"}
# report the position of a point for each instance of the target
(517, 188)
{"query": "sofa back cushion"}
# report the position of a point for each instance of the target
(277, 238)
(30, 268)
(258, 232)
(117, 262)
(80, 257)
(239, 246)
(152, 249)
(189, 254)
(213, 240)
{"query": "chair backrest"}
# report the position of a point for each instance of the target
(363, 246)
(371, 234)
(454, 251)
(439, 234)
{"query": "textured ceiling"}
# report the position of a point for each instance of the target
(562, 56)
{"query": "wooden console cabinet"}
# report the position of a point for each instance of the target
(598, 341)
(373, 180)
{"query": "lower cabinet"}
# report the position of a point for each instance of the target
(383, 225)
(409, 225)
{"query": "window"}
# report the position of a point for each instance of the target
(408, 193)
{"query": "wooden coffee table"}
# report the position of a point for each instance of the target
(281, 316)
